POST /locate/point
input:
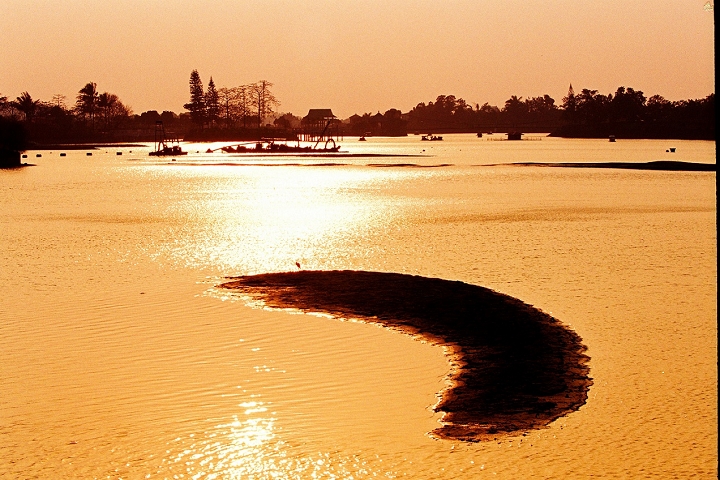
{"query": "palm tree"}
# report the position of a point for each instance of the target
(515, 109)
(87, 101)
(26, 105)
(105, 103)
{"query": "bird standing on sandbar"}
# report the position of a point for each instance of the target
(298, 265)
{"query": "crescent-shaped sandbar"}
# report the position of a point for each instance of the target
(515, 368)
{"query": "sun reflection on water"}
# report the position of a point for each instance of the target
(241, 448)
(249, 449)
(259, 219)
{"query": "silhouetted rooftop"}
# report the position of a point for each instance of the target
(319, 114)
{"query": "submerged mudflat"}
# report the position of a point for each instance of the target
(516, 368)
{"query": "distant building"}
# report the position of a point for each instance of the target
(514, 136)
(354, 119)
(319, 125)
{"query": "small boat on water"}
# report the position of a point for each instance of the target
(164, 146)
(168, 150)
(431, 138)
(271, 145)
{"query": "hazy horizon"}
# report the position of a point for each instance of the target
(356, 57)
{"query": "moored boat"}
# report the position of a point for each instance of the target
(431, 138)
(270, 145)
(164, 146)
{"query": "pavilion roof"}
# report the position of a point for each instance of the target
(319, 114)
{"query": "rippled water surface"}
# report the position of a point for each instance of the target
(119, 358)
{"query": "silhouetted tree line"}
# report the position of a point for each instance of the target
(626, 113)
(236, 112)
(94, 116)
(629, 114)
(451, 114)
(389, 124)
(225, 113)
(239, 113)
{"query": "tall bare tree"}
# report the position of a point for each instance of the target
(58, 100)
(235, 104)
(264, 100)
(227, 100)
(244, 102)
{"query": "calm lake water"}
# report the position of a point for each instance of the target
(119, 358)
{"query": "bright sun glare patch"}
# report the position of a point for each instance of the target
(266, 218)
(249, 448)
(234, 450)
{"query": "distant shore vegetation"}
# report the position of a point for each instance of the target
(627, 113)
(251, 111)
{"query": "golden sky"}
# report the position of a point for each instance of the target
(356, 56)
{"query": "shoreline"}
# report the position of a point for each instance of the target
(514, 368)
(16, 167)
(82, 146)
(658, 165)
